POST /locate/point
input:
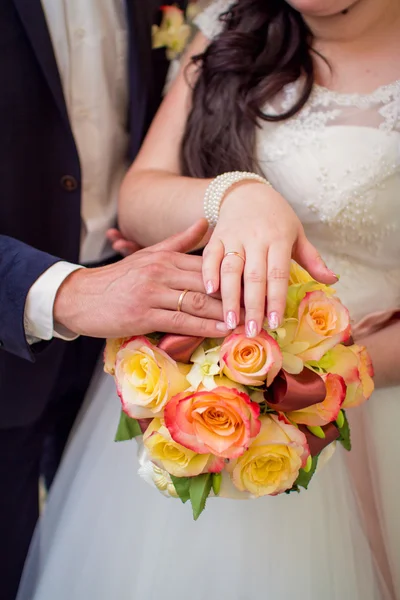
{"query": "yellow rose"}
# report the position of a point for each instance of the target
(272, 463)
(147, 378)
(110, 354)
(175, 458)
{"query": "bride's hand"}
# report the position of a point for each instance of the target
(256, 236)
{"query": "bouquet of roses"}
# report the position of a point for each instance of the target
(243, 417)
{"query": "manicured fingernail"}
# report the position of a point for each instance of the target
(273, 320)
(231, 320)
(209, 287)
(251, 329)
(327, 268)
(222, 327)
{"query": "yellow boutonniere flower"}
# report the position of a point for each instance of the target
(173, 33)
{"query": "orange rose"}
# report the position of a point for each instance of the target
(323, 322)
(221, 421)
(251, 361)
(326, 411)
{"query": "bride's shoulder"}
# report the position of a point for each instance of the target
(209, 21)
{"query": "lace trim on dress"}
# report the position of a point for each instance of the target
(208, 21)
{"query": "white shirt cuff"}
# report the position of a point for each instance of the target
(38, 316)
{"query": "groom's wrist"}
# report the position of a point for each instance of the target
(69, 303)
(38, 314)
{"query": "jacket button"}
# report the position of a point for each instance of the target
(69, 183)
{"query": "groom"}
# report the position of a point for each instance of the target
(79, 85)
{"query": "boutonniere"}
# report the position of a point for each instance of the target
(175, 30)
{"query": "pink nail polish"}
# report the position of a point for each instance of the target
(222, 327)
(251, 329)
(273, 320)
(231, 320)
(209, 287)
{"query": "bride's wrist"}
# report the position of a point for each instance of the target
(238, 195)
(223, 186)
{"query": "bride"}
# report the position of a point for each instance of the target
(307, 93)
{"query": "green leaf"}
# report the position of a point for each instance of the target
(267, 410)
(305, 477)
(216, 483)
(200, 488)
(340, 419)
(308, 465)
(295, 488)
(253, 388)
(128, 428)
(182, 487)
(344, 438)
(317, 431)
(315, 366)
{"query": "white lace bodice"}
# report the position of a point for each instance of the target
(338, 164)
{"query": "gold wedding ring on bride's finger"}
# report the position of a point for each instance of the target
(234, 254)
(180, 300)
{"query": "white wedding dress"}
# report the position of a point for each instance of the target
(107, 535)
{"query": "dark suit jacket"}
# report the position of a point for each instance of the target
(40, 182)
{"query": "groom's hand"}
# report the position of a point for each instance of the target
(141, 293)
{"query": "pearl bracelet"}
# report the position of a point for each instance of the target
(218, 189)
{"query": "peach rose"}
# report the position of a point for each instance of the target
(147, 378)
(251, 361)
(323, 322)
(272, 463)
(110, 354)
(353, 363)
(362, 391)
(221, 421)
(174, 458)
(300, 283)
(326, 411)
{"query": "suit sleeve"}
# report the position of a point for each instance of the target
(20, 266)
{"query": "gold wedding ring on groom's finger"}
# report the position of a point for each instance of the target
(180, 300)
(234, 254)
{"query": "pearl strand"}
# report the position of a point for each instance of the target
(218, 189)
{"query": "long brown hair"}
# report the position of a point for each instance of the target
(264, 45)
